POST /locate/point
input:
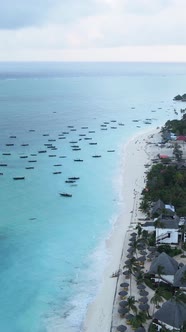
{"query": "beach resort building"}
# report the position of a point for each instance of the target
(180, 278)
(172, 315)
(167, 230)
(163, 268)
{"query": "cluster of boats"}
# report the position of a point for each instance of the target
(50, 145)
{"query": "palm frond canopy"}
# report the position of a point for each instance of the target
(124, 284)
(144, 306)
(121, 328)
(123, 304)
(141, 286)
(123, 293)
(143, 299)
(123, 311)
(140, 329)
(143, 292)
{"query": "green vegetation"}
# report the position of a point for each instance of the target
(165, 183)
(179, 97)
(169, 250)
(176, 126)
(177, 152)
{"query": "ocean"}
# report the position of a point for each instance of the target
(63, 126)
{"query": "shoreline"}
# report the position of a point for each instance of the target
(101, 313)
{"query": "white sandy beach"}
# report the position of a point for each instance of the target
(136, 153)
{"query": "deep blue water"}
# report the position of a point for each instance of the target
(52, 248)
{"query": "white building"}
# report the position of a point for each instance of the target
(167, 231)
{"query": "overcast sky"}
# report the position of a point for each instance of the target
(93, 30)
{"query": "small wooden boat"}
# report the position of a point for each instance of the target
(121, 124)
(80, 160)
(70, 126)
(50, 146)
(58, 165)
(31, 167)
(65, 133)
(69, 181)
(74, 178)
(52, 155)
(45, 134)
(93, 143)
(76, 149)
(96, 156)
(82, 135)
(42, 151)
(51, 140)
(113, 121)
(62, 156)
(110, 150)
(32, 130)
(3, 165)
(65, 195)
(56, 172)
(33, 154)
(25, 144)
(73, 142)
(72, 129)
(32, 161)
(12, 136)
(84, 127)
(19, 178)
(23, 157)
(6, 154)
(91, 131)
(88, 138)
(113, 127)
(9, 144)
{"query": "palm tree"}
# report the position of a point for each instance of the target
(140, 277)
(132, 267)
(156, 299)
(139, 229)
(131, 303)
(179, 297)
(160, 270)
(139, 319)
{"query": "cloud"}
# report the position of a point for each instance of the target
(55, 25)
(16, 14)
(20, 13)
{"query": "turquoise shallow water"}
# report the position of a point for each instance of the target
(52, 248)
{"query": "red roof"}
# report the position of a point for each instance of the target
(181, 138)
(163, 156)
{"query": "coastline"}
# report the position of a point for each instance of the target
(101, 315)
